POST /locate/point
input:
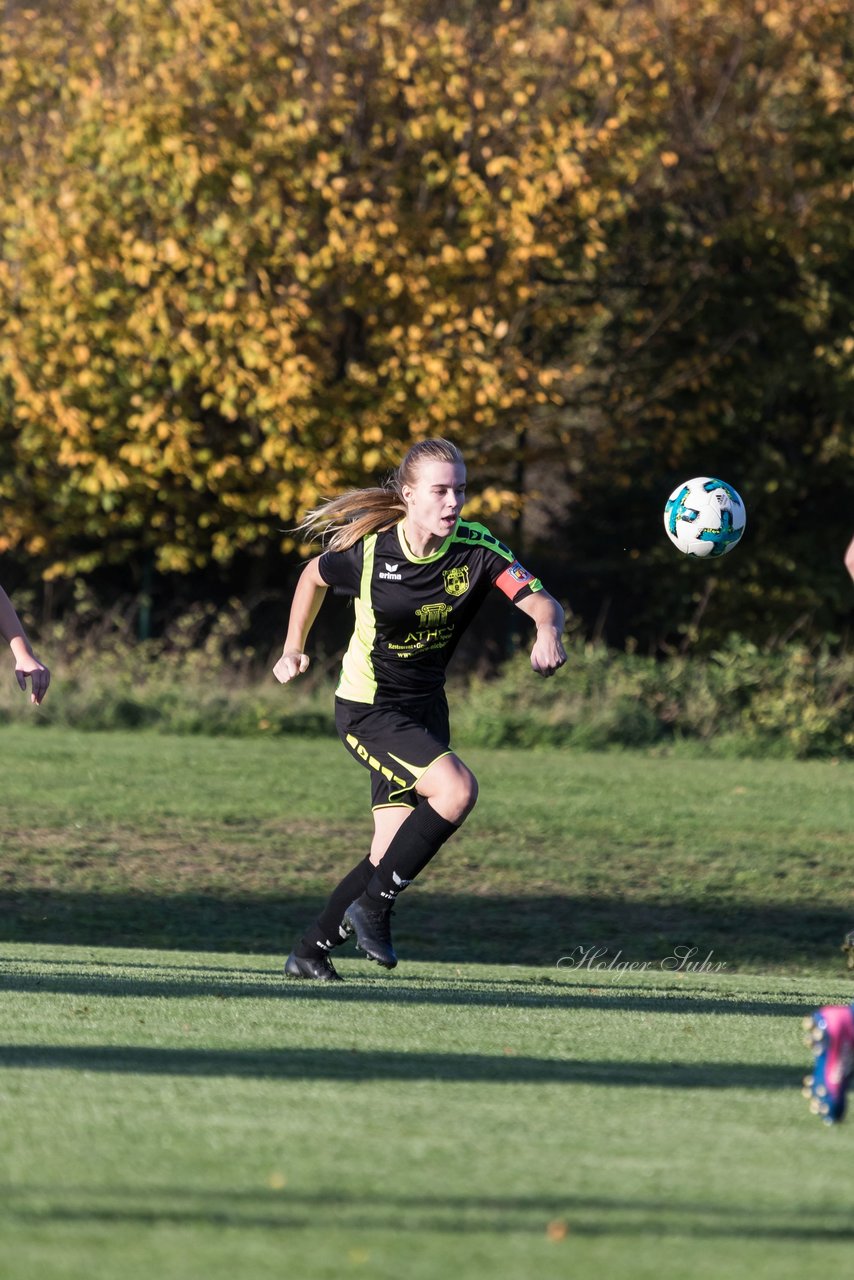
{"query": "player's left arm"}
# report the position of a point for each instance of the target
(548, 653)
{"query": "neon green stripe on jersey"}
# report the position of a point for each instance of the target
(477, 535)
(358, 682)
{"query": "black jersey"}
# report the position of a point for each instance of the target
(411, 610)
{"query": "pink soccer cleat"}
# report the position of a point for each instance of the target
(830, 1035)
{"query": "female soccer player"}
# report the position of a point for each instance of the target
(417, 574)
(830, 1030)
(27, 664)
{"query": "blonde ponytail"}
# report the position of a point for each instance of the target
(343, 521)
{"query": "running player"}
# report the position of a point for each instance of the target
(27, 665)
(830, 1036)
(830, 1030)
(848, 944)
(417, 574)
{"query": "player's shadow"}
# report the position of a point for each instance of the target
(129, 980)
(488, 929)
(358, 1066)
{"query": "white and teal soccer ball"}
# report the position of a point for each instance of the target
(704, 517)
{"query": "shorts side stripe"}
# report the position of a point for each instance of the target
(373, 763)
(418, 773)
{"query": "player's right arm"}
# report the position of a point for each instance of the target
(849, 558)
(308, 597)
(27, 665)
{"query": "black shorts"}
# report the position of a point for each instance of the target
(398, 743)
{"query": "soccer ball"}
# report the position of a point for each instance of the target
(704, 517)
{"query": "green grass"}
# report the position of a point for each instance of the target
(172, 1108)
(232, 844)
(187, 1114)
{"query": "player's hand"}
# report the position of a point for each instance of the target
(548, 653)
(290, 665)
(29, 668)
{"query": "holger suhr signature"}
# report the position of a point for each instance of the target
(682, 959)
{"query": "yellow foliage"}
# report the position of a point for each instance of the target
(253, 249)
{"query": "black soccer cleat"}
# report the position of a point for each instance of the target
(319, 967)
(372, 927)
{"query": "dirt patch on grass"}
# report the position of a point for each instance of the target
(260, 859)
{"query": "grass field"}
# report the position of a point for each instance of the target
(231, 844)
(172, 1108)
(186, 1115)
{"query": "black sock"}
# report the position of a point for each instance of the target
(325, 933)
(418, 840)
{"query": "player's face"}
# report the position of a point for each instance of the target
(435, 499)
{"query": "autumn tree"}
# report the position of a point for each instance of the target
(252, 250)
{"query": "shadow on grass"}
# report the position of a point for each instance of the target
(582, 1215)
(359, 1067)
(97, 979)
(470, 929)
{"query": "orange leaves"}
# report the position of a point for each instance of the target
(252, 248)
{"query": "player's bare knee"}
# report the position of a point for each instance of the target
(462, 796)
(451, 789)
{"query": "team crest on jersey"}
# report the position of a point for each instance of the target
(456, 580)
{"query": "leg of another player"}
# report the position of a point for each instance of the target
(830, 1036)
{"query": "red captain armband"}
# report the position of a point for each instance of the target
(514, 581)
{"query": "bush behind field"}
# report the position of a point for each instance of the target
(790, 701)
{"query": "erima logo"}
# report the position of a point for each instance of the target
(391, 574)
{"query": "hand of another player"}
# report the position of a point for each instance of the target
(548, 653)
(30, 668)
(291, 664)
